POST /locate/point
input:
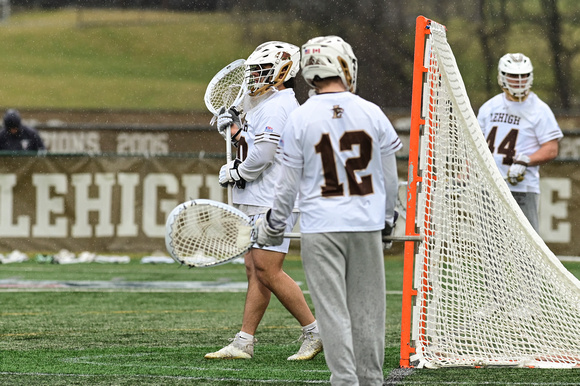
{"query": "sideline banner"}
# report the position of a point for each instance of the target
(112, 204)
(151, 141)
(560, 206)
(99, 204)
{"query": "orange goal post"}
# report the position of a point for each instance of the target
(481, 288)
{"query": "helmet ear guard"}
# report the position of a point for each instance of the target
(347, 75)
(283, 73)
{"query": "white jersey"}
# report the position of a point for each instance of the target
(263, 123)
(512, 128)
(335, 142)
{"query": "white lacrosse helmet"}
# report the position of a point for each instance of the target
(329, 56)
(284, 59)
(515, 74)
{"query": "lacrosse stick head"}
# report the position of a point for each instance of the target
(226, 89)
(204, 233)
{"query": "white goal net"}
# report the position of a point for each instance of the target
(489, 291)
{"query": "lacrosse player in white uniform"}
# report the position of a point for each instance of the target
(270, 72)
(521, 132)
(339, 155)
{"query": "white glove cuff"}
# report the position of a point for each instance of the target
(235, 174)
(522, 159)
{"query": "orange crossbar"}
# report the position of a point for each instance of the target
(413, 180)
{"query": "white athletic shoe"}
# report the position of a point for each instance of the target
(238, 349)
(311, 345)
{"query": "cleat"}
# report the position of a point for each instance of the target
(238, 349)
(311, 345)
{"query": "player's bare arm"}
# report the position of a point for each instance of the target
(547, 152)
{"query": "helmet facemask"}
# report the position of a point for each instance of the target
(517, 85)
(260, 77)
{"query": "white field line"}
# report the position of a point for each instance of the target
(573, 259)
(143, 376)
(270, 381)
(94, 360)
(15, 285)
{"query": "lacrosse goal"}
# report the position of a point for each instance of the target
(481, 288)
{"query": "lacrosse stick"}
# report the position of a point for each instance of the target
(226, 90)
(205, 233)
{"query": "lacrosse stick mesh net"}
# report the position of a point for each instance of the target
(226, 90)
(203, 235)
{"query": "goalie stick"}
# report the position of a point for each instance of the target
(226, 90)
(205, 233)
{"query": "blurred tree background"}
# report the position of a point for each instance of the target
(382, 35)
(479, 32)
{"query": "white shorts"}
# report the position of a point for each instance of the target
(256, 212)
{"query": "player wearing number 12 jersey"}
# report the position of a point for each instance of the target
(521, 132)
(339, 155)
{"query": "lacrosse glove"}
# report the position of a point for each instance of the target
(265, 234)
(388, 231)
(226, 119)
(229, 175)
(517, 170)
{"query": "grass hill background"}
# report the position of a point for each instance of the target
(129, 60)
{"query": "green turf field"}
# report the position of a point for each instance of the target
(131, 324)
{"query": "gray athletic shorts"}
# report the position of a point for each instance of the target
(529, 204)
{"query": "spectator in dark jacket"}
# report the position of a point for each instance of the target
(17, 137)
